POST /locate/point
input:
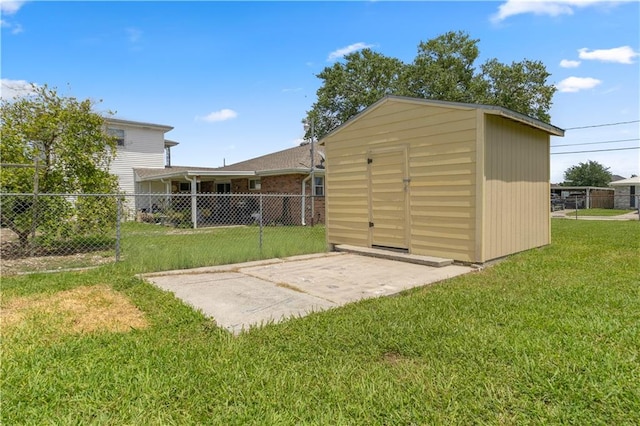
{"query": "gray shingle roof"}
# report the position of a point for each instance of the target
(298, 157)
(287, 161)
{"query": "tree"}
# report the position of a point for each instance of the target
(365, 77)
(519, 87)
(444, 69)
(60, 143)
(590, 173)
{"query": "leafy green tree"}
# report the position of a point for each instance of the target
(444, 69)
(590, 173)
(60, 145)
(365, 77)
(520, 87)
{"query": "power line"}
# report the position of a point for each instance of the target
(596, 150)
(595, 143)
(603, 125)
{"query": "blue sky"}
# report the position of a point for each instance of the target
(235, 79)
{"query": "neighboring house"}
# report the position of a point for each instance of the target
(584, 197)
(283, 172)
(138, 145)
(461, 181)
(627, 193)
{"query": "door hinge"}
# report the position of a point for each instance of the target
(369, 160)
(370, 224)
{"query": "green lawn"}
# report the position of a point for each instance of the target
(550, 336)
(147, 248)
(599, 212)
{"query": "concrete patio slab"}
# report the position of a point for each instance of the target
(242, 295)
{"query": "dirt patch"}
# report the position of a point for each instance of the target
(394, 358)
(15, 260)
(52, 263)
(81, 310)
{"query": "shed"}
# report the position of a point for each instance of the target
(461, 181)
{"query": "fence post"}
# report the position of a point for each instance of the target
(260, 222)
(34, 211)
(576, 202)
(118, 210)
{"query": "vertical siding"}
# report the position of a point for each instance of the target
(517, 214)
(441, 151)
(143, 148)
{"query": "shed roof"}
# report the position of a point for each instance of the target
(487, 109)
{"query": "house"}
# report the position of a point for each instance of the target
(139, 144)
(207, 192)
(461, 181)
(627, 193)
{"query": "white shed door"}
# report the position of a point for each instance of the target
(388, 186)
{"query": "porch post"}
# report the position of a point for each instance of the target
(194, 203)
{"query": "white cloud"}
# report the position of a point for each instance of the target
(576, 84)
(222, 115)
(10, 7)
(620, 55)
(134, 34)
(542, 7)
(339, 53)
(15, 28)
(566, 63)
(11, 89)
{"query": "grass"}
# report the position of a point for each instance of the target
(148, 247)
(599, 212)
(550, 336)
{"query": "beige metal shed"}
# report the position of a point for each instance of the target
(462, 181)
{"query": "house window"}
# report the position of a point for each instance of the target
(185, 186)
(118, 134)
(254, 184)
(223, 188)
(318, 186)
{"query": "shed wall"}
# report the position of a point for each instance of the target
(516, 188)
(441, 148)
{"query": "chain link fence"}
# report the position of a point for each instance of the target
(43, 232)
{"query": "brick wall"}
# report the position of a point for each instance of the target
(284, 210)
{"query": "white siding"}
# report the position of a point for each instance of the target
(143, 148)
